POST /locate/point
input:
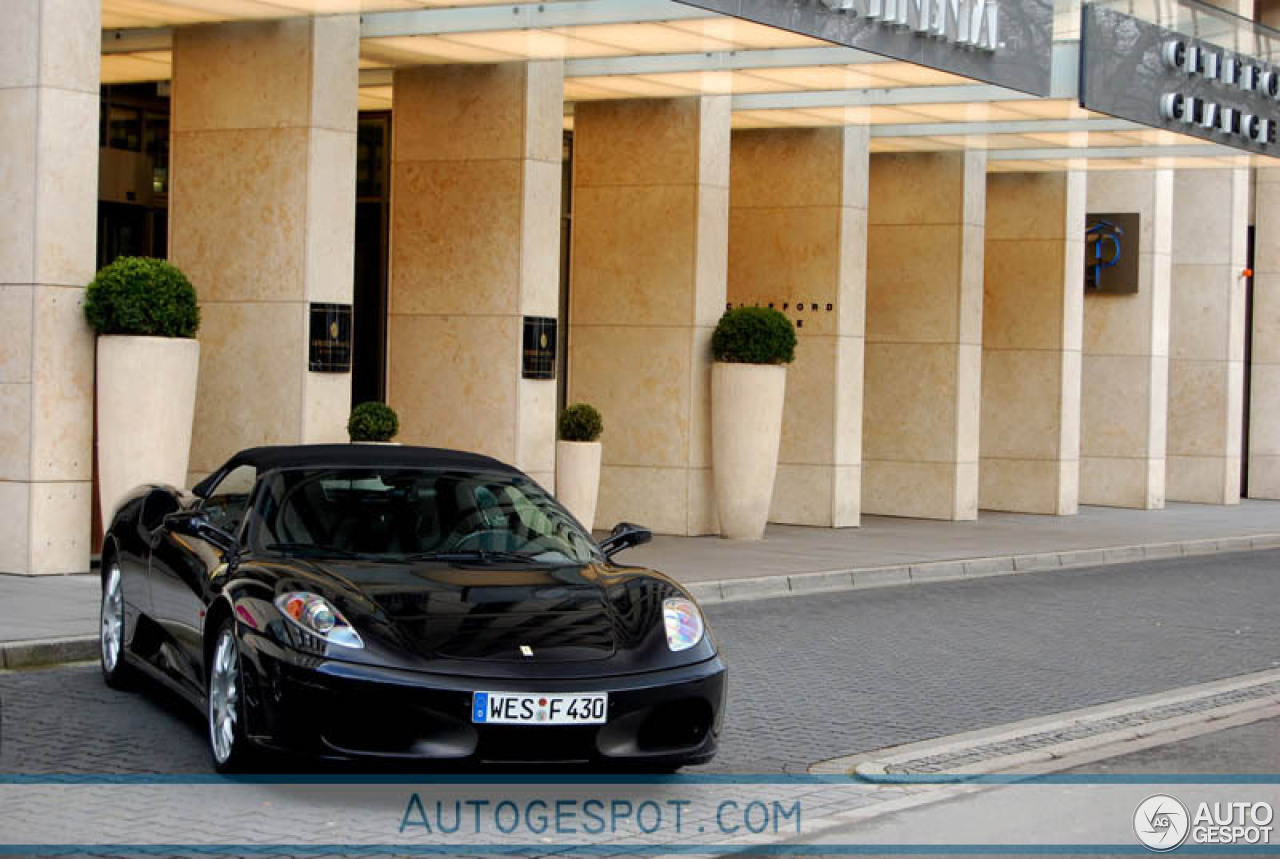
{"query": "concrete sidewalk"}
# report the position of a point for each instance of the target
(893, 551)
(55, 618)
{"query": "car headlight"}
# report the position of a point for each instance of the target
(314, 615)
(684, 623)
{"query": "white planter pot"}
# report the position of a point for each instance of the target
(578, 478)
(146, 405)
(746, 431)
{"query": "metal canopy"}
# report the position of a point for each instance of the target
(568, 13)
(640, 48)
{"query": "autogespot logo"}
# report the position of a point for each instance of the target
(1161, 823)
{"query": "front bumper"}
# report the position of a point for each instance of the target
(340, 710)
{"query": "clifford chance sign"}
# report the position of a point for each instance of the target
(1136, 70)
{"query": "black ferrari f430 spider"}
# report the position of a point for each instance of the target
(376, 602)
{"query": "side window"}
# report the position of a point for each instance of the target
(225, 506)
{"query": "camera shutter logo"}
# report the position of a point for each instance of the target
(1161, 823)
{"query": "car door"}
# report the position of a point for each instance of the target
(181, 570)
(133, 540)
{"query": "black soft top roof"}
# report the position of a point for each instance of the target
(343, 455)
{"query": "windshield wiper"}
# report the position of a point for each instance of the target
(484, 556)
(313, 550)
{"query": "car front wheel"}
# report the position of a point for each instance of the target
(115, 668)
(227, 741)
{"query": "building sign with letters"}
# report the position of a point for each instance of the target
(539, 348)
(330, 340)
(1140, 71)
(1009, 44)
(1111, 252)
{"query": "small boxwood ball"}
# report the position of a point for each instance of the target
(580, 422)
(754, 335)
(373, 422)
(142, 297)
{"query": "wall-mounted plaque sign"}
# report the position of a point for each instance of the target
(1140, 71)
(539, 348)
(330, 341)
(1005, 43)
(1111, 252)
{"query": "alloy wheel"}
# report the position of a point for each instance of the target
(112, 619)
(224, 697)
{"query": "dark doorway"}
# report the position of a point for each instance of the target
(133, 172)
(373, 199)
(122, 232)
(1248, 367)
(566, 242)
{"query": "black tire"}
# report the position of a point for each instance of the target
(113, 648)
(229, 746)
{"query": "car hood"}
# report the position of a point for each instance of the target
(570, 620)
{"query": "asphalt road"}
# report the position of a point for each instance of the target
(819, 677)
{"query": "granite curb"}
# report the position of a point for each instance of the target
(43, 652)
(1042, 739)
(856, 578)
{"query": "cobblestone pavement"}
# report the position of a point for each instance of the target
(818, 677)
(827, 676)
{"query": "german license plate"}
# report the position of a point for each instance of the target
(519, 708)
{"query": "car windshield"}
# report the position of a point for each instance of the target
(409, 514)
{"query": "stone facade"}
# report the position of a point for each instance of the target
(797, 240)
(650, 252)
(262, 219)
(1031, 336)
(1207, 335)
(48, 182)
(475, 248)
(1125, 376)
(924, 335)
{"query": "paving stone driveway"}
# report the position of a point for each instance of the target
(819, 677)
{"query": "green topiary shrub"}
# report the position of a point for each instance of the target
(373, 422)
(580, 422)
(143, 297)
(754, 335)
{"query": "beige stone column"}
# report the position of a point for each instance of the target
(1031, 330)
(1264, 359)
(48, 185)
(1207, 335)
(475, 248)
(650, 240)
(1125, 378)
(262, 219)
(797, 242)
(924, 335)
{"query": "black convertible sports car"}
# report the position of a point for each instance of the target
(386, 602)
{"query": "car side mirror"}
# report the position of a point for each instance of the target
(194, 523)
(625, 535)
(159, 504)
